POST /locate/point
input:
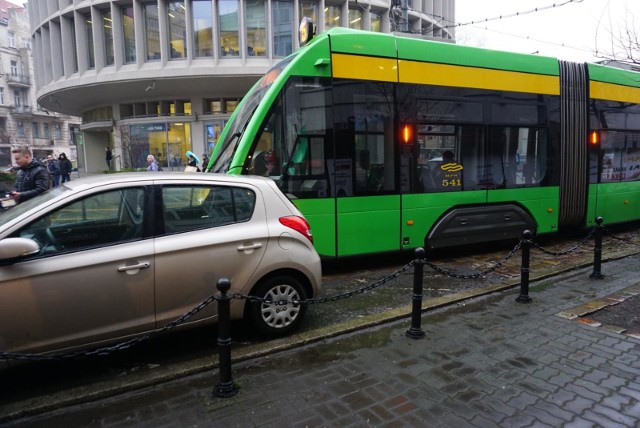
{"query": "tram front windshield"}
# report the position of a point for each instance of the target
(240, 120)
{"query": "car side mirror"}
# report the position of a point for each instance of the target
(15, 248)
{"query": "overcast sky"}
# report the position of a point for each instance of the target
(567, 31)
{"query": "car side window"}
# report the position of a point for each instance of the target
(187, 208)
(98, 220)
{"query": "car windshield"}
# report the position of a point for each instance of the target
(11, 213)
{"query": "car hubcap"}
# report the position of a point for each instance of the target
(282, 312)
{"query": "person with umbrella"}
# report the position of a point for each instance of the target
(192, 164)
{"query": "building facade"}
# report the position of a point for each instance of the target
(162, 77)
(22, 121)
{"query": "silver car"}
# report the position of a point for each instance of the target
(109, 257)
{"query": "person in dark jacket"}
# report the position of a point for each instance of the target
(32, 177)
(54, 170)
(65, 167)
(108, 157)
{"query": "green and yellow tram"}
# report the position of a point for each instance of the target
(388, 143)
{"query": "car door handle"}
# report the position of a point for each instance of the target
(138, 266)
(249, 247)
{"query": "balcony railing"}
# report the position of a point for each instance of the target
(21, 110)
(18, 80)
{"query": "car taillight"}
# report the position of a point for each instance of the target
(298, 224)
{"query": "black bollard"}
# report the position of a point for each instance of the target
(597, 250)
(524, 268)
(416, 332)
(225, 387)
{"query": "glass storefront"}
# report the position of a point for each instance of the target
(168, 142)
(213, 130)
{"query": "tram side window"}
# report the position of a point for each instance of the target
(365, 157)
(439, 166)
(516, 157)
(620, 156)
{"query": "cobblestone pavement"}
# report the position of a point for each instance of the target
(486, 361)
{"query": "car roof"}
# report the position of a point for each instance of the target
(93, 181)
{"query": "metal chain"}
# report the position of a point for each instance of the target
(627, 240)
(570, 250)
(129, 343)
(475, 275)
(110, 349)
(345, 295)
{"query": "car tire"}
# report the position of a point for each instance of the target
(276, 319)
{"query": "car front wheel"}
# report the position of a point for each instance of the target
(280, 316)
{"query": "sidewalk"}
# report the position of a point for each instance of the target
(485, 362)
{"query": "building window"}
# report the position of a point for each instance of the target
(90, 52)
(20, 129)
(309, 10)
(177, 27)
(12, 39)
(376, 22)
(47, 133)
(17, 98)
(129, 35)
(1, 96)
(256, 21)
(228, 17)
(74, 44)
(332, 16)
(282, 27)
(230, 105)
(202, 28)
(212, 106)
(57, 131)
(152, 32)
(355, 19)
(107, 35)
(14, 68)
(35, 130)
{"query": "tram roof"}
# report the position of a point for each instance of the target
(404, 47)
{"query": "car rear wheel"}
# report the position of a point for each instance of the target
(281, 316)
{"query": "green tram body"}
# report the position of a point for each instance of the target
(352, 125)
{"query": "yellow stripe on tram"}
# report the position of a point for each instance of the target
(364, 67)
(609, 91)
(482, 78)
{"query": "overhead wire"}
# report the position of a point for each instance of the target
(512, 15)
(476, 24)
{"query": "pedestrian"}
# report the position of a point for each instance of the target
(32, 177)
(65, 167)
(192, 165)
(205, 162)
(54, 170)
(108, 157)
(152, 164)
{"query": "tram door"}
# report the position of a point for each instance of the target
(367, 197)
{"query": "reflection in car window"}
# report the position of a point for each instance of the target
(42, 198)
(188, 208)
(101, 219)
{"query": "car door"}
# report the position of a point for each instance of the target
(210, 232)
(91, 281)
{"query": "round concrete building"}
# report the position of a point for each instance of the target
(162, 77)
